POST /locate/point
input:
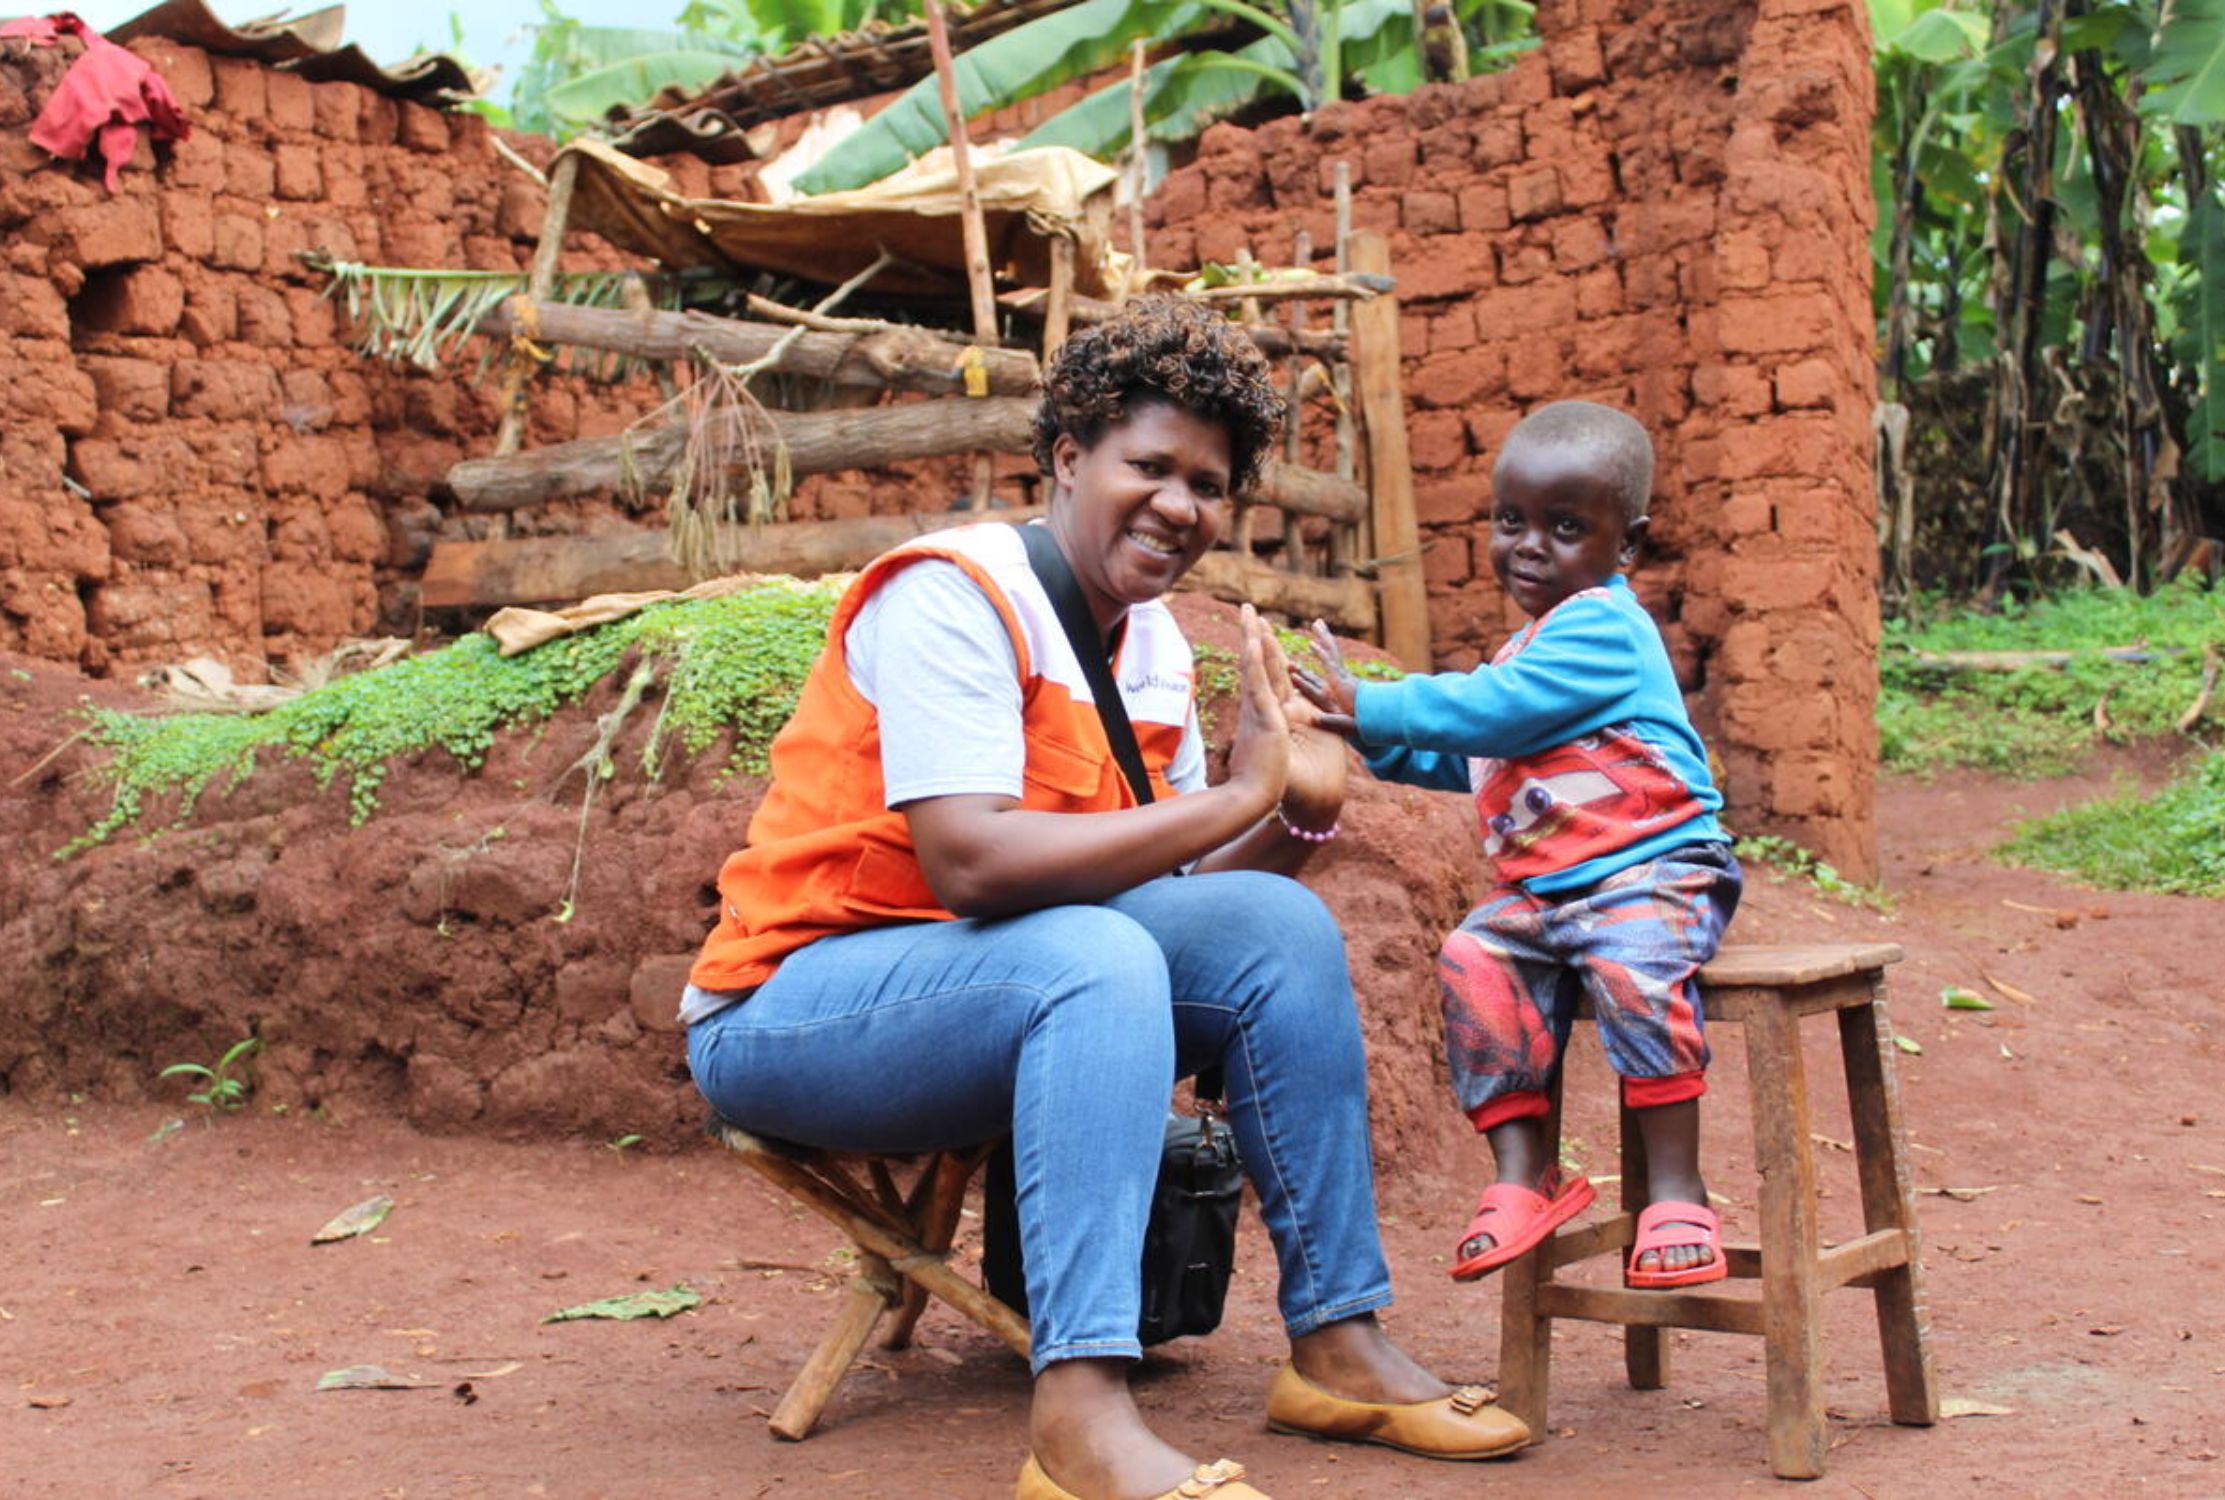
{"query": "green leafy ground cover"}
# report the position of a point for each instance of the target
(731, 668)
(2042, 720)
(2039, 721)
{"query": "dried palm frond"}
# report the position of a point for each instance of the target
(732, 471)
(405, 313)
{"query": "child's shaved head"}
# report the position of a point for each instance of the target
(1609, 439)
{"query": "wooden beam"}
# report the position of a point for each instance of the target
(822, 442)
(550, 569)
(1380, 382)
(818, 442)
(560, 569)
(890, 358)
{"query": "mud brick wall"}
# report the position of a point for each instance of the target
(191, 458)
(1666, 208)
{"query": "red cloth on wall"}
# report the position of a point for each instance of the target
(105, 97)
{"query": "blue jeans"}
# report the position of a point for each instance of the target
(1068, 1027)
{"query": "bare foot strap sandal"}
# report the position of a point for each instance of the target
(1667, 1226)
(1223, 1479)
(1518, 1220)
(1463, 1424)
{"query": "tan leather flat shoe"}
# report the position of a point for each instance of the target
(1465, 1424)
(1223, 1479)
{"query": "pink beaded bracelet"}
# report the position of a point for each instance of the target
(1311, 836)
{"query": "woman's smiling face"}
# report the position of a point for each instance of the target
(1136, 509)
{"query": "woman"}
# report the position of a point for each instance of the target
(952, 919)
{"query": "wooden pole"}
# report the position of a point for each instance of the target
(1058, 311)
(1379, 376)
(881, 356)
(821, 442)
(561, 569)
(539, 281)
(1136, 165)
(979, 282)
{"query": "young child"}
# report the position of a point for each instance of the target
(1598, 812)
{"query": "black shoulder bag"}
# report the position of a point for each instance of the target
(1189, 1246)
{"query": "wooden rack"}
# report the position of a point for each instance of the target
(1338, 542)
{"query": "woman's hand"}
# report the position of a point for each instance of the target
(1259, 755)
(1333, 691)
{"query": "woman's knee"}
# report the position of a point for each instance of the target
(1096, 958)
(1276, 913)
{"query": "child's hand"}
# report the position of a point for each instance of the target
(1334, 691)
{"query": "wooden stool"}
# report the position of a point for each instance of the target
(1767, 990)
(903, 1238)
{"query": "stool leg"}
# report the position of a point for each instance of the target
(937, 1221)
(1881, 1158)
(1645, 1350)
(872, 1293)
(1789, 1242)
(1525, 1332)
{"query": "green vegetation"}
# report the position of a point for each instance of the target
(222, 1089)
(2044, 719)
(2173, 840)
(730, 666)
(1793, 862)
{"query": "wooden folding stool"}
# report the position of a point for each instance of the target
(903, 1240)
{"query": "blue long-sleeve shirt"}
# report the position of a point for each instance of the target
(1574, 741)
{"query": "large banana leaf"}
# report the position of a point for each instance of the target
(624, 65)
(1184, 94)
(1181, 96)
(1023, 62)
(2203, 326)
(2186, 70)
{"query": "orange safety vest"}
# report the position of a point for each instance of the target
(826, 855)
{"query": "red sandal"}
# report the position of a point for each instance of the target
(1519, 1219)
(1664, 1225)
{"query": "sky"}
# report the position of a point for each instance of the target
(494, 30)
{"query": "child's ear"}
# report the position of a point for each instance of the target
(1633, 537)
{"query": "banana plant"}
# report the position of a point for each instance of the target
(1307, 52)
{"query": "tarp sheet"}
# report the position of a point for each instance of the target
(311, 45)
(1027, 198)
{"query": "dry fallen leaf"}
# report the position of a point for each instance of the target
(361, 1219)
(1962, 1194)
(370, 1378)
(47, 1403)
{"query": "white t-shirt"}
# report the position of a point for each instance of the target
(931, 654)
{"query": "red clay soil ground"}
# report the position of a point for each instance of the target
(164, 1318)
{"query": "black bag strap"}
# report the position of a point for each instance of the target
(1057, 578)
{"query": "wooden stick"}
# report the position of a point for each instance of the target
(509, 153)
(1031, 302)
(862, 352)
(1302, 253)
(979, 281)
(1382, 398)
(1354, 287)
(1341, 322)
(1136, 163)
(539, 281)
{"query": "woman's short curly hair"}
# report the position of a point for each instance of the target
(1162, 348)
